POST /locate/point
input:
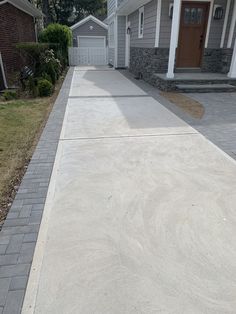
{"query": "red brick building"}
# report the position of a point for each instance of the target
(17, 24)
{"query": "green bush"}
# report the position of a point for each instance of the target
(50, 65)
(58, 34)
(46, 77)
(9, 95)
(45, 88)
(31, 53)
(33, 87)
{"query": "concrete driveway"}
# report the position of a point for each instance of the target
(140, 214)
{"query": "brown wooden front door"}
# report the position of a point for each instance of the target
(193, 25)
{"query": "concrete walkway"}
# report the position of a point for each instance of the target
(139, 216)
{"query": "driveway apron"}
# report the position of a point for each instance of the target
(140, 213)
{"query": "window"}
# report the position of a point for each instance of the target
(193, 15)
(111, 35)
(141, 23)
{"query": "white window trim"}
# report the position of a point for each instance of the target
(141, 11)
(104, 37)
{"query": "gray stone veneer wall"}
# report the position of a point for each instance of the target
(147, 61)
(216, 60)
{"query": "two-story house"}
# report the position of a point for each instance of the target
(173, 36)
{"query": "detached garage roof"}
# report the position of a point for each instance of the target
(25, 6)
(87, 19)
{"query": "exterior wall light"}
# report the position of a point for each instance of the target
(91, 27)
(218, 12)
(128, 30)
(171, 8)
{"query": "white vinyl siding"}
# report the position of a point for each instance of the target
(150, 17)
(111, 6)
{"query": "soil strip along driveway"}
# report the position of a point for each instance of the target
(140, 213)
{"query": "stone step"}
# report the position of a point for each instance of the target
(205, 88)
(188, 70)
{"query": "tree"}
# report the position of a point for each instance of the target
(86, 7)
(70, 11)
(46, 12)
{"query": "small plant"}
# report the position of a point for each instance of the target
(45, 88)
(9, 95)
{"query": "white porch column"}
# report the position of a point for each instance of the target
(232, 26)
(232, 71)
(174, 38)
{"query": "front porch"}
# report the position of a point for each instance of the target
(195, 82)
(191, 36)
(192, 44)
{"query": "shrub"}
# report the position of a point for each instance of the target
(45, 88)
(46, 77)
(9, 95)
(31, 52)
(50, 65)
(58, 34)
(33, 87)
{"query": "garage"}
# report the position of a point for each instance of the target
(89, 42)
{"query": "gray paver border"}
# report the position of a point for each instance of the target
(20, 231)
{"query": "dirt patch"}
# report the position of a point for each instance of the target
(187, 104)
(21, 124)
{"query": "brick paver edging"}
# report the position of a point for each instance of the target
(20, 231)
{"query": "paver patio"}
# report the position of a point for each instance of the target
(218, 123)
(139, 216)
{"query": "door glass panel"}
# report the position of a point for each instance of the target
(186, 16)
(199, 15)
(193, 15)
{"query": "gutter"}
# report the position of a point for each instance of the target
(24, 6)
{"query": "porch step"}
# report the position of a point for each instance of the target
(205, 88)
(188, 70)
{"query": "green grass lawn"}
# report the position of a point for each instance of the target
(21, 122)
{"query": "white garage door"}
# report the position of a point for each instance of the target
(91, 42)
(90, 51)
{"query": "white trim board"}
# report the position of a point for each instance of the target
(232, 27)
(24, 6)
(158, 23)
(116, 41)
(226, 18)
(127, 44)
(87, 19)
